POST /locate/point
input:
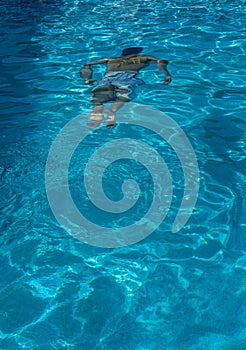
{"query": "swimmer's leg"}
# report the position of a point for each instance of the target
(122, 98)
(101, 94)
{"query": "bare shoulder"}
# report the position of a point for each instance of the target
(115, 59)
(100, 61)
(155, 59)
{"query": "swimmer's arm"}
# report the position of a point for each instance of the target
(86, 71)
(162, 66)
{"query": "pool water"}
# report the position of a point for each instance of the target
(168, 291)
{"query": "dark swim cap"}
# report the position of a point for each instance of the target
(131, 51)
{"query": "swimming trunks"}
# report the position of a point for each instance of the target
(122, 81)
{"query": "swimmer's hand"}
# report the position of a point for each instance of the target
(168, 79)
(86, 74)
(89, 81)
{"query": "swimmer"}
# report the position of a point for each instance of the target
(118, 82)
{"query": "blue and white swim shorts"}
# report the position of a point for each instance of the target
(123, 81)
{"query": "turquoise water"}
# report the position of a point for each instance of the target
(169, 291)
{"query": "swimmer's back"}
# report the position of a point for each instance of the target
(132, 63)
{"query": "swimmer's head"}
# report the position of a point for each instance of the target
(131, 51)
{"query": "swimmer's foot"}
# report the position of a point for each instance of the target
(97, 113)
(111, 123)
(93, 125)
(96, 116)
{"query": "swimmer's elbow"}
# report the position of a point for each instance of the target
(162, 62)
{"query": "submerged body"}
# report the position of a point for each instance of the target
(118, 82)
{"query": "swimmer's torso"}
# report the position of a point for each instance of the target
(133, 63)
